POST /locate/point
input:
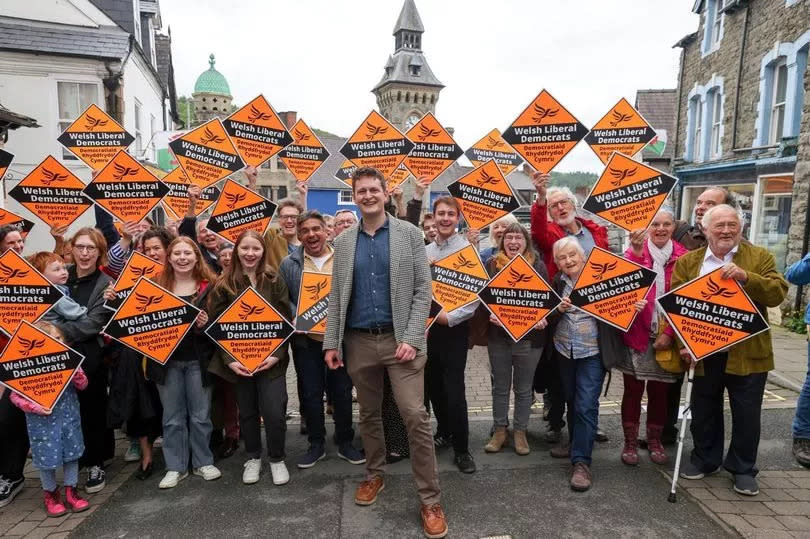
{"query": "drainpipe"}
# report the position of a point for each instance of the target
(805, 244)
(739, 76)
(113, 81)
(677, 132)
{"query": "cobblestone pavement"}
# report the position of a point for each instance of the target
(781, 510)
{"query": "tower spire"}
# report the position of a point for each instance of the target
(409, 18)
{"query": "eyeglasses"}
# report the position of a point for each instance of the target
(560, 203)
(85, 248)
(287, 217)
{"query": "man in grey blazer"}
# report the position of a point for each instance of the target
(378, 308)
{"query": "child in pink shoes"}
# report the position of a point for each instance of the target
(56, 440)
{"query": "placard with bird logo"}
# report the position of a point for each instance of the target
(629, 193)
(623, 129)
(377, 143)
(239, 209)
(257, 131)
(519, 297)
(20, 223)
(313, 302)
(457, 278)
(176, 201)
(52, 193)
(138, 265)
(126, 189)
(544, 132)
(25, 294)
(711, 313)
(344, 173)
(434, 149)
(95, 137)
(609, 288)
(250, 330)
(37, 366)
(151, 320)
(5, 161)
(207, 154)
(306, 154)
(484, 195)
(493, 146)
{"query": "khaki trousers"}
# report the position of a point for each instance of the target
(367, 358)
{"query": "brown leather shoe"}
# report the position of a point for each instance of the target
(367, 491)
(580, 477)
(433, 522)
(562, 451)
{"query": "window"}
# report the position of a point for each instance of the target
(770, 228)
(743, 194)
(695, 152)
(138, 135)
(778, 93)
(136, 7)
(415, 70)
(716, 100)
(74, 98)
(717, 19)
(345, 197)
(282, 192)
(713, 26)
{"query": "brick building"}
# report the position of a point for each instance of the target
(742, 118)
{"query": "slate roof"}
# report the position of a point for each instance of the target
(105, 42)
(409, 18)
(659, 108)
(400, 72)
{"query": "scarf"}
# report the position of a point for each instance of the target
(660, 257)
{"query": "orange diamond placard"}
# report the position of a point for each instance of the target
(5, 162)
(400, 176)
(344, 173)
(151, 320)
(484, 195)
(306, 154)
(250, 330)
(20, 223)
(239, 209)
(52, 193)
(609, 288)
(25, 294)
(37, 366)
(95, 137)
(434, 150)
(176, 201)
(377, 143)
(519, 297)
(544, 132)
(137, 266)
(126, 189)
(257, 131)
(710, 314)
(621, 130)
(629, 193)
(458, 278)
(207, 154)
(313, 302)
(493, 146)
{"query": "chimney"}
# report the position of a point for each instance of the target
(288, 118)
(451, 130)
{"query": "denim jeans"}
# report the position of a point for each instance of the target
(186, 416)
(582, 382)
(315, 379)
(48, 477)
(801, 422)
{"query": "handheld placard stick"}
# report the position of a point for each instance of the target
(690, 377)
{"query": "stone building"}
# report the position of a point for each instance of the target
(742, 118)
(212, 95)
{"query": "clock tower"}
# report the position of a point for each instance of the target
(408, 88)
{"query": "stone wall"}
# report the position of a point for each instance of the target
(801, 192)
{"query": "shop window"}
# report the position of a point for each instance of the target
(773, 216)
(743, 196)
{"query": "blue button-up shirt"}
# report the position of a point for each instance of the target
(577, 335)
(585, 239)
(370, 304)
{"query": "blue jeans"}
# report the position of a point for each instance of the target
(582, 382)
(801, 422)
(48, 477)
(186, 416)
(315, 379)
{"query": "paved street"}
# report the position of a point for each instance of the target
(509, 495)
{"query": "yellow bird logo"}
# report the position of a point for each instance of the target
(315, 289)
(91, 123)
(210, 137)
(234, 199)
(122, 172)
(427, 132)
(516, 277)
(601, 269)
(49, 177)
(621, 174)
(462, 262)
(7, 273)
(716, 290)
(374, 130)
(144, 302)
(619, 118)
(543, 113)
(246, 310)
(255, 115)
(29, 345)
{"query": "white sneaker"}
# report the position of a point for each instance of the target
(208, 472)
(133, 453)
(280, 473)
(252, 472)
(171, 479)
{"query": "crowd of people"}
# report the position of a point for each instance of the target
(204, 403)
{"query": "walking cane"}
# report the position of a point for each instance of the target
(690, 376)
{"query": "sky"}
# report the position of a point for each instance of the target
(322, 57)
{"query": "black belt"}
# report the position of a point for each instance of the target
(379, 330)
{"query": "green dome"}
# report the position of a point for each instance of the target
(212, 81)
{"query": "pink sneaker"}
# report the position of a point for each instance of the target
(76, 502)
(53, 504)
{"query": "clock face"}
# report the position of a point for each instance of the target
(411, 121)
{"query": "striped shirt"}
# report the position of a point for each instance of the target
(577, 335)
